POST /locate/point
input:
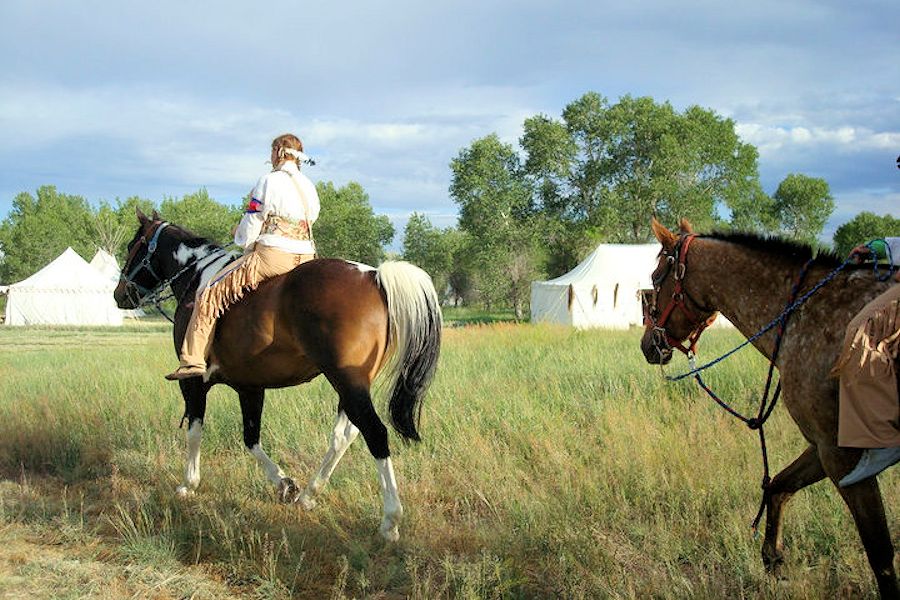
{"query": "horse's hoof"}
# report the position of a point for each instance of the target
(774, 566)
(183, 491)
(389, 532)
(307, 502)
(288, 492)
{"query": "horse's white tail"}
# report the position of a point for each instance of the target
(414, 342)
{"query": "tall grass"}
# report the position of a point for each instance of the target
(554, 464)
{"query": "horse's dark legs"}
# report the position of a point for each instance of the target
(251, 410)
(867, 507)
(356, 402)
(342, 435)
(194, 391)
(805, 470)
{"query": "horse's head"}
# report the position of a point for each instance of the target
(671, 314)
(139, 277)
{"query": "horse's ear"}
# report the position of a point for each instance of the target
(665, 237)
(685, 226)
(140, 215)
(156, 216)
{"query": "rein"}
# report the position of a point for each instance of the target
(766, 404)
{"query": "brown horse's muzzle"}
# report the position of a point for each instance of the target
(126, 295)
(655, 347)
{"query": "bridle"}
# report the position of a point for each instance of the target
(144, 263)
(676, 264)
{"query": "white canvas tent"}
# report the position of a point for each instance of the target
(107, 264)
(602, 291)
(68, 291)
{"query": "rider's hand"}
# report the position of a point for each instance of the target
(860, 254)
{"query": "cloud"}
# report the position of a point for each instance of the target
(770, 140)
(135, 134)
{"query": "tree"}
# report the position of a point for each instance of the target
(125, 212)
(601, 172)
(39, 228)
(862, 228)
(754, 212)
(802, 206)
(429, 248)
(201, 215)
(347, 227)
(496, 213)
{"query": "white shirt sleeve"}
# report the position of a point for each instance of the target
(254, 216)
(893, 244)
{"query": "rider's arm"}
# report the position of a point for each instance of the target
(893, 243)
(254, 215)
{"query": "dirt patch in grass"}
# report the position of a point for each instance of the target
(35, 564)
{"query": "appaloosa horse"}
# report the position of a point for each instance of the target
(347, 321)
(748, 279)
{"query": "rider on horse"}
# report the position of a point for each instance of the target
(869, 415)
(276, 233)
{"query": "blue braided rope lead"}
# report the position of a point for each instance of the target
(777, 320)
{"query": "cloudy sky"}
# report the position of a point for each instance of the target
(109, 99)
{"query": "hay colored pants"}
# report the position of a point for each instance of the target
(869, 409)
(227, 287)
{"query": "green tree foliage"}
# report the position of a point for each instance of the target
(429, 248)
(601, 172)
(495, 203)
(862, 228)
(40, 227)
(754, 211)
(347, 227)
(802, 206)
(126, 217)
(202, 215)
(442, 253)
(110, 231)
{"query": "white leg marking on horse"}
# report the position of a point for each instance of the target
(192, 468)
(393, 510)
(273, 471)
(342, 435)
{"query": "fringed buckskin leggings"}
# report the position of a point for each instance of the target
(227, 287)
(869, 409)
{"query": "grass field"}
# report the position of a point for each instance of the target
(554, 464)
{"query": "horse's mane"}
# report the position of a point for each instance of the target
(191, 239)
(778, 246)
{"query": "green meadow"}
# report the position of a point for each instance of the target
(554, 464)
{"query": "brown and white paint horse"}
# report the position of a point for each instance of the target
(748, 279)
(346, 321)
